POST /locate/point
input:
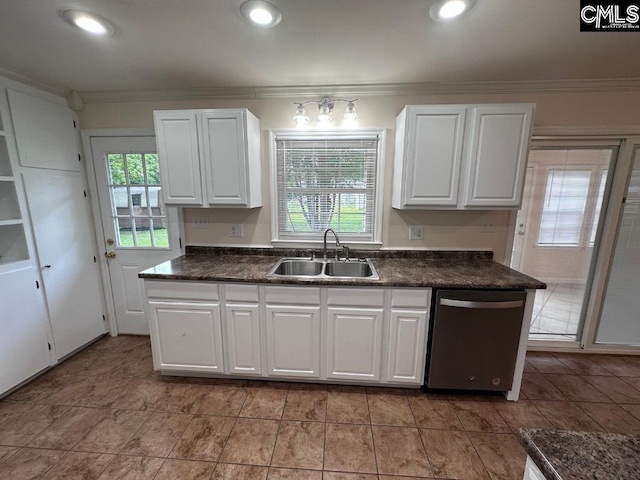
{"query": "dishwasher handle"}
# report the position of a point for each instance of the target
(448, 302)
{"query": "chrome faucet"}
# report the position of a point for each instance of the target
(324, 248)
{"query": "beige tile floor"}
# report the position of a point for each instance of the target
(104, 414)
(556, 312)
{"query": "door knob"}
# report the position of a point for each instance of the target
(110, 254)
(520, 233)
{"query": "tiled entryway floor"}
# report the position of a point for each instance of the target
(556, 312)
(105, 414)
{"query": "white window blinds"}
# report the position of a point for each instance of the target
(564, 207)
(325, 182)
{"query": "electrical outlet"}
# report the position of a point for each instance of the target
(200, 222)
(416, 232)
(487, 228)
(236, 230)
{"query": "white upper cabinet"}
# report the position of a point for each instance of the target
(461, 156)
(177, 141)
(428, 155)
(45, 133)
(209, 158)
(496, 155)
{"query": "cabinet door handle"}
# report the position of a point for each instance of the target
(110, 255)
(448, 302)
(47, 266)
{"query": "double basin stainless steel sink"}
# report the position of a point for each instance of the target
(312, 268)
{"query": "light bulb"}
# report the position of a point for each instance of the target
(452, 9)
(261, 16)
(88, 22)
(300, 117)
(261, 13)
(350, 114)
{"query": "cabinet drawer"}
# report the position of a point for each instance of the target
(241, 293)
(358, 297)
(407, 298)
(182, 290)
(293, 295)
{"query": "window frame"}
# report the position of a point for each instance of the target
(308, 240)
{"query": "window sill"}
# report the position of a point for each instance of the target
(330, 243)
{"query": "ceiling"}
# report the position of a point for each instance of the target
(188, 44)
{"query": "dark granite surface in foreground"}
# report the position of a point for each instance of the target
(437, 269)
(563, 455)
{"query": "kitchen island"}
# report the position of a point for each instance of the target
(566, 455)
(219, 312)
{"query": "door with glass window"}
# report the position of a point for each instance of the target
(139, 231)
(556, 233)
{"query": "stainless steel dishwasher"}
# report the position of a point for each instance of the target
(474, 339)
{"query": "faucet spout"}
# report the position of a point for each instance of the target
(324, 246)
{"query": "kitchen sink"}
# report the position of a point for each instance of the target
(349, 269)
(298, 267)
(338, 269)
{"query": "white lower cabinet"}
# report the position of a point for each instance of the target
(186, 336)
(342, 335)
(242, 339)
(293, 341)
(354, 343)
(407, 346)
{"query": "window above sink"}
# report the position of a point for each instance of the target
(327, 179)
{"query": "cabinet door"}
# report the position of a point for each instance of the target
(177, 140)
(242, 329)
(186, 337)
(224, 157)
(497, 155)
(354, 343)
(407, 346)
(433, 154)
(293, 341)
(23, 338)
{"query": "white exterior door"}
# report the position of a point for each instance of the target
(354, 343)
(60, 213)
(139, 231)
(242, 328)
(293, 341)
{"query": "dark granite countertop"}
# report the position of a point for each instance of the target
(436, 269)
(564, 455)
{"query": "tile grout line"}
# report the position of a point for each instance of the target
(275, 442)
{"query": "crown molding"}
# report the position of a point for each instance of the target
(45, 85)
(388, 89)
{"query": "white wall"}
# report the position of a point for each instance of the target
(442, 229)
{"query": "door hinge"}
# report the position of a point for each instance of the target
(180, 241)
(85, 193)
(79, 158)
(37, 284)
(49, 345)
(94, 259)
(104, 319)
(74, 124)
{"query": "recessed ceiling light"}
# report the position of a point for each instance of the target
(88, 22)
(449, 9)
(261, 13)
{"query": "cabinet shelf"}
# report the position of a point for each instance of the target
(5, 163)
(15, 221)
(9, 207)
(13, 243)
